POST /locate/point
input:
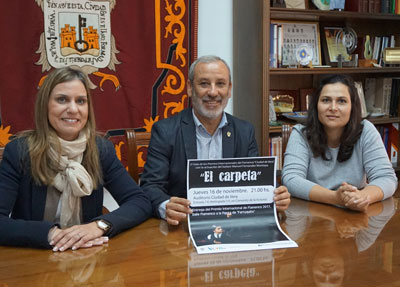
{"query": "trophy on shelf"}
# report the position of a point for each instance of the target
(322, 4)
(347, 38)
(367, 53)
(337, 5)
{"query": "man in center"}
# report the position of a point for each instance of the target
(204, 131)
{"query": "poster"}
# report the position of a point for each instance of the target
(232, 203)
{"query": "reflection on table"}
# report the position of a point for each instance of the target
(337, 247)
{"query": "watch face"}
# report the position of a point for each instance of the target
(103, 225)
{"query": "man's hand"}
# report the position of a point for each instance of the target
(77, 236)
(282, 198)
(176, 210)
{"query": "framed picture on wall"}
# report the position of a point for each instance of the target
(290, 35)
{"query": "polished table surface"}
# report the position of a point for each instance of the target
(337, 247)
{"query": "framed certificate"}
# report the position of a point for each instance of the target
(333, 46)
(291, 34)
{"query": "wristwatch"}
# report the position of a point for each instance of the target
(103, 225)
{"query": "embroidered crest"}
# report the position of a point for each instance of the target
(77, 33)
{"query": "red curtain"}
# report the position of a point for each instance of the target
(139, 79)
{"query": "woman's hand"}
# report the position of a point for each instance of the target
(77, 236)
(353, 198)
(348, 228)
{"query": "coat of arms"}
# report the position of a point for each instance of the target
(78, 33)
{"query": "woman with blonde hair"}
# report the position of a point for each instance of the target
(52, 177)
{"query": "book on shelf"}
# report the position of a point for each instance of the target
(374, 6)
(376, 46)
(275, 45)
(369, 93)
(275, 149)
(397, 7)
(279, 44)
(305, 98)
(385, 6)
(384, 45)
(394, 98)
(382, 95)
(360, 91)
(272, 50)
(390, 137)
(383, 90)
(393, 148)
(392, 41)
(357, 6)
(392, 6)
(365, 4)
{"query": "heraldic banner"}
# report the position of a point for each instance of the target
(136, 53)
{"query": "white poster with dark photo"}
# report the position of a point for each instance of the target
(232, 203)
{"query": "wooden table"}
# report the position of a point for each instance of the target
(336, 248)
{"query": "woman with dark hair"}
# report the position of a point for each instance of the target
(52, 178)
(338, 158)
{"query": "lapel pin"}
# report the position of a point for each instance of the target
(228, 134)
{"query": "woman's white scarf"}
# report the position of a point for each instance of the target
(72, 180)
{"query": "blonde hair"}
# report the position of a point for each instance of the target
(43, 167)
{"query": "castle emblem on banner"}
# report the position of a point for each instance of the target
(78, 33)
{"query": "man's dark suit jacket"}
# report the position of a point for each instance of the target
(173, 142)
(25, 200)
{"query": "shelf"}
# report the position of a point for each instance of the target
(309, 71)
(384, 120)
(275, 129)
(252, 21)
(375, 121)
(318, 15)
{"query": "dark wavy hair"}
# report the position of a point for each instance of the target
(314, 130)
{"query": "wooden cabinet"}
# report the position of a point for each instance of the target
(251, 30)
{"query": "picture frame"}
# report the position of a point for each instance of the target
(331, 47)
(290, 36)
(391, 55)
(278, 4)
(297, 4)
